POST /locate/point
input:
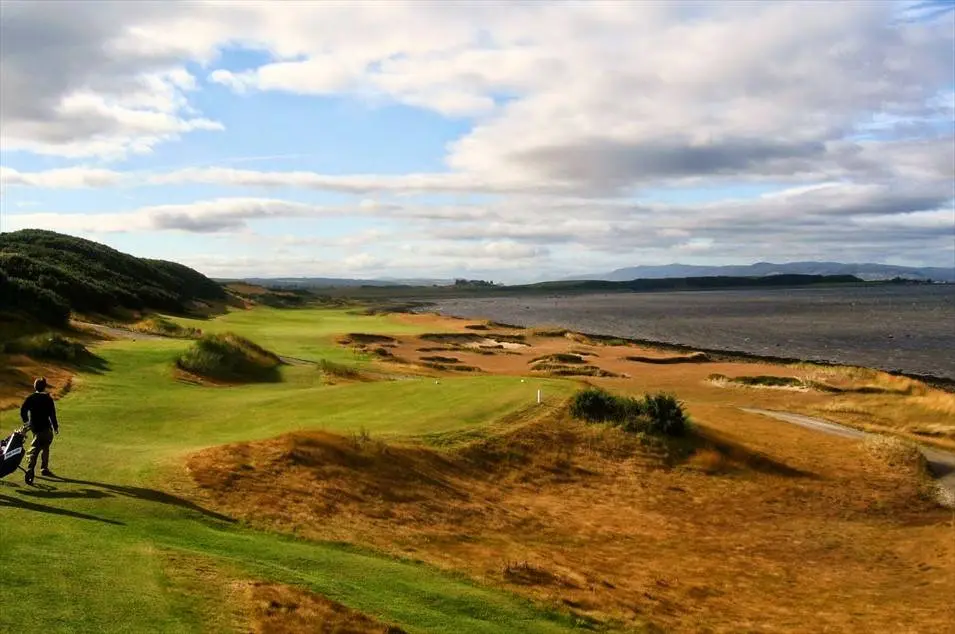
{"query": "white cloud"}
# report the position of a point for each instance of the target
(212, 216)
(66, 178)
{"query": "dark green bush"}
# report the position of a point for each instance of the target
(657, 413)
(595, 405)
(665, 414)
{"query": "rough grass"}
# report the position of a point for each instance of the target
(229, 357)
(696, 357)
(440, 359)
(560, 369)
(284, 609)
(49, 345)
(550, 332)
(896, 452)
(367, 339)
(163, 326)
(585, 517)
(452, 367)
(559, 357)
(332, 370)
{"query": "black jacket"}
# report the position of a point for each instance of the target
(38, 409)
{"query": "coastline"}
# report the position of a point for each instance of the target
(944, 383)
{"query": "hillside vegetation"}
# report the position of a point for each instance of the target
(45, 275)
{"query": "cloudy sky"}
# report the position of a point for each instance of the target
(504, 140)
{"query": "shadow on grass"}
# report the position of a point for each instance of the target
(99, 490)
(41, 508)
(90, 362)
(737, 452)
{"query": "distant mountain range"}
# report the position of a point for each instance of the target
(868, 272)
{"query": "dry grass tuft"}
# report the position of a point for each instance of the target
(282, 609)
(895, 452)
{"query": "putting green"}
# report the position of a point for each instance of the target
(91, 552)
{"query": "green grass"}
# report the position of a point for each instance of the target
(90, 554)
(303, 333)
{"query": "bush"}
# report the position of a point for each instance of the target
(159, 325)
(230, 357)
(665, 414)
(340, 370)
(593, 405)
(47, 346)
(657, 414)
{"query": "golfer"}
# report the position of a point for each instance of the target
(39, 413)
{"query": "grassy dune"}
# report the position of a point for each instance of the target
(95, 549)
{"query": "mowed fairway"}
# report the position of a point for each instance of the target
(111, 547)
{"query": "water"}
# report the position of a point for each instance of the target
(905, 328)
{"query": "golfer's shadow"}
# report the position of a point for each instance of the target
(99, 490)
(20, 503)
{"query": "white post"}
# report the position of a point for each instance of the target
(538, 397)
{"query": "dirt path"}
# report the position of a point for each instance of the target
(941, 463)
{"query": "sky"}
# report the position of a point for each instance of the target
(512, 141)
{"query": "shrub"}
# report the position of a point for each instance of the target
(47, 346)
(665, 414)
(230, 357)
(657, 413)
(599, 406)
(593, 404)
(159, 325)
(340, 370)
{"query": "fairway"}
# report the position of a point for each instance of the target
(92, 552)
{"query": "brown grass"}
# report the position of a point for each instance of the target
(235, 604)
(282, 609)
(17, 373)
(796, 532)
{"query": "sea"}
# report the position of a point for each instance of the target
(901, 328)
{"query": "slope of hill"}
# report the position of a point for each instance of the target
(868, 272)
(46, 275)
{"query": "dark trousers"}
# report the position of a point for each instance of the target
(40, 448)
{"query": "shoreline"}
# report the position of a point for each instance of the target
(717, 354)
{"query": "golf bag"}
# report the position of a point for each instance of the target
(12, 452)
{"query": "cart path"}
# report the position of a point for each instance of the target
(941, 463)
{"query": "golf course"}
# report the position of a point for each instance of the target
(106, 548)
(148, 526)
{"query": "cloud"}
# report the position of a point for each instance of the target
(66, 178)
(95, 78)
(212, 216)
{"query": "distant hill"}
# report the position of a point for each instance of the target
(46, 275)
(868, 272)
(713, 282)
(336, 282)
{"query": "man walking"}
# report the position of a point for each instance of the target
(39, 412)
